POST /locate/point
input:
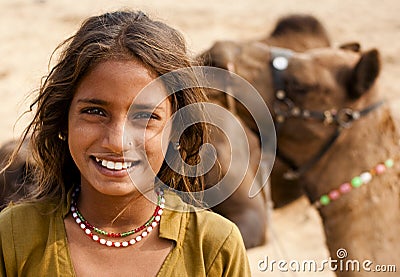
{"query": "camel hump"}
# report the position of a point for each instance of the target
(298, 32)
(299, 23)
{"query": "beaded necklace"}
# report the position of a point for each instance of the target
(356, 182)
(92, 231)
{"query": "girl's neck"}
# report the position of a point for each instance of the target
(116, 213)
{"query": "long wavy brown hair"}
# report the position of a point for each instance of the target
(116, 35)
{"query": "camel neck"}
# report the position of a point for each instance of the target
(368, 213)
(368, 142)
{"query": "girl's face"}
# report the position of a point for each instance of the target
(115, 139)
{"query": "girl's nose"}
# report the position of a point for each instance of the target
(115, 139)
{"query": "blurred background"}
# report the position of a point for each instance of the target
(31, 29)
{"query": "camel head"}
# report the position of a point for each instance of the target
(250, 60)
(319, 93)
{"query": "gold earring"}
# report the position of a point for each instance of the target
(176, 145)
(62, 136)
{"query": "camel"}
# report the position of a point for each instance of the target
(297, 32)
(335, 105)
(331, 118)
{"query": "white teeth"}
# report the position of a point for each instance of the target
(114, 165)
(118, 166)
(126, 165)
(110, 165)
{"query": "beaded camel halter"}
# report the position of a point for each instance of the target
(362, 179)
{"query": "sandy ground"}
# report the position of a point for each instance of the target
(31, 29)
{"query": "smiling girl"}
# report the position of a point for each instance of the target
(98, 138)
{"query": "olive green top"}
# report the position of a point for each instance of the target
(34, 243)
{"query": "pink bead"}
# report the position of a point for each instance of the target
(334, 194)
(379, 169)
(345, 188)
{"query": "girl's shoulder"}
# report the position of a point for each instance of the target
(27, 215)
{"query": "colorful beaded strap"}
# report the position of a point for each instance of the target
(356, 182)
(145, 228)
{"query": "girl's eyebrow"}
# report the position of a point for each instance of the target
(147, 107)
(92, 101)
(135, 106)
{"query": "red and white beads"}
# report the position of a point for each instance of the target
(141, 232)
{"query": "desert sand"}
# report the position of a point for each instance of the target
(31, 29)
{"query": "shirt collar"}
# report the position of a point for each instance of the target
(174, 218)
(67, 203)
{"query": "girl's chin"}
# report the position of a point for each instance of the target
(123, 189)
(117, 190)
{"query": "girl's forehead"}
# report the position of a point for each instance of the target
(125, 81)
(121, 70)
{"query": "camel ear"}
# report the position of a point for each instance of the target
(352, 46)
(364, 73)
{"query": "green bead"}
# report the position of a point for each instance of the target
(389, 163)
(356, 182)
(324, 200)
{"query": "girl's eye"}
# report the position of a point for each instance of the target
(94, 111)
(144, 115)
